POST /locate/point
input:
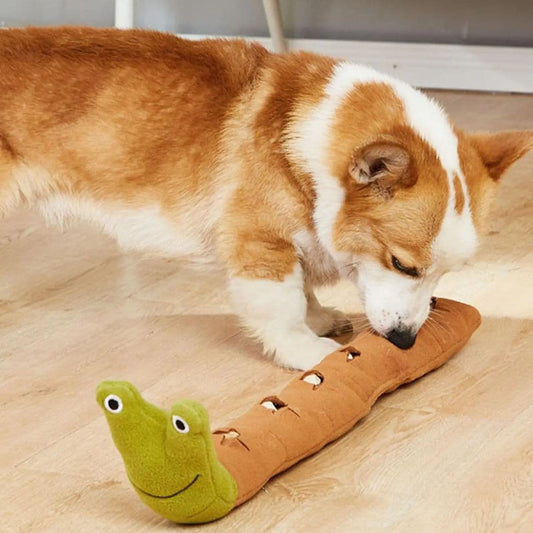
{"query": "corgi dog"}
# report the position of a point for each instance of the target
(289, 171)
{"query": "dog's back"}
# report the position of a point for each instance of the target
(133, 119)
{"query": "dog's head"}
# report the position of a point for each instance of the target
(401, 195)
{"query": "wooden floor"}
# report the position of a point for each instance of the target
(451, 452)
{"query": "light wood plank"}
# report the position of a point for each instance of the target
(450, 452)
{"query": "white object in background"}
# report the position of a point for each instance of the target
(275, 26)
(124, 19)
(429, 66)
(124, 14)
(439, 66)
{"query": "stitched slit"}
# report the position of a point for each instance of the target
(314, 378)
(273, 403)
(230, 434)
(351, 353)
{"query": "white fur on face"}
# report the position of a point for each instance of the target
(393, 300)
(275, 312)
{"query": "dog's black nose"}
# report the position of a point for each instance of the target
(403, 338)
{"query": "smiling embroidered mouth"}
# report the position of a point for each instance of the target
(170, 495)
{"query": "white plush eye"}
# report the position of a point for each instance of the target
(113, 404)
(179, 424)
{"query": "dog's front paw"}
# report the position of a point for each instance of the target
(302, 353)
(328, 322)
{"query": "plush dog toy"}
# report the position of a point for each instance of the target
(188, 475)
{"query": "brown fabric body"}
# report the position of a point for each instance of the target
(312, 416)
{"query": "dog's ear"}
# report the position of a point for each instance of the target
(499, 151)
(384, 164)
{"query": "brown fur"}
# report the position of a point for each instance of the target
(459, 195)
(369, 223)
(136, 118)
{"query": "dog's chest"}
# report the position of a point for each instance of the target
(319, 266)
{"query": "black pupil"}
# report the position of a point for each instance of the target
(112, 404)
(180, 424)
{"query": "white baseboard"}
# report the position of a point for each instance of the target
(435, 66)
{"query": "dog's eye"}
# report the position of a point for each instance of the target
(410, 271)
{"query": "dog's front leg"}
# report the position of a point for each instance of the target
(274, 308)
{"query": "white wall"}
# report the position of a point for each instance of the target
(490, 22)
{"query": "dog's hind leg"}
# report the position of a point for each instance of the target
(10, 192)
(20, 182)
